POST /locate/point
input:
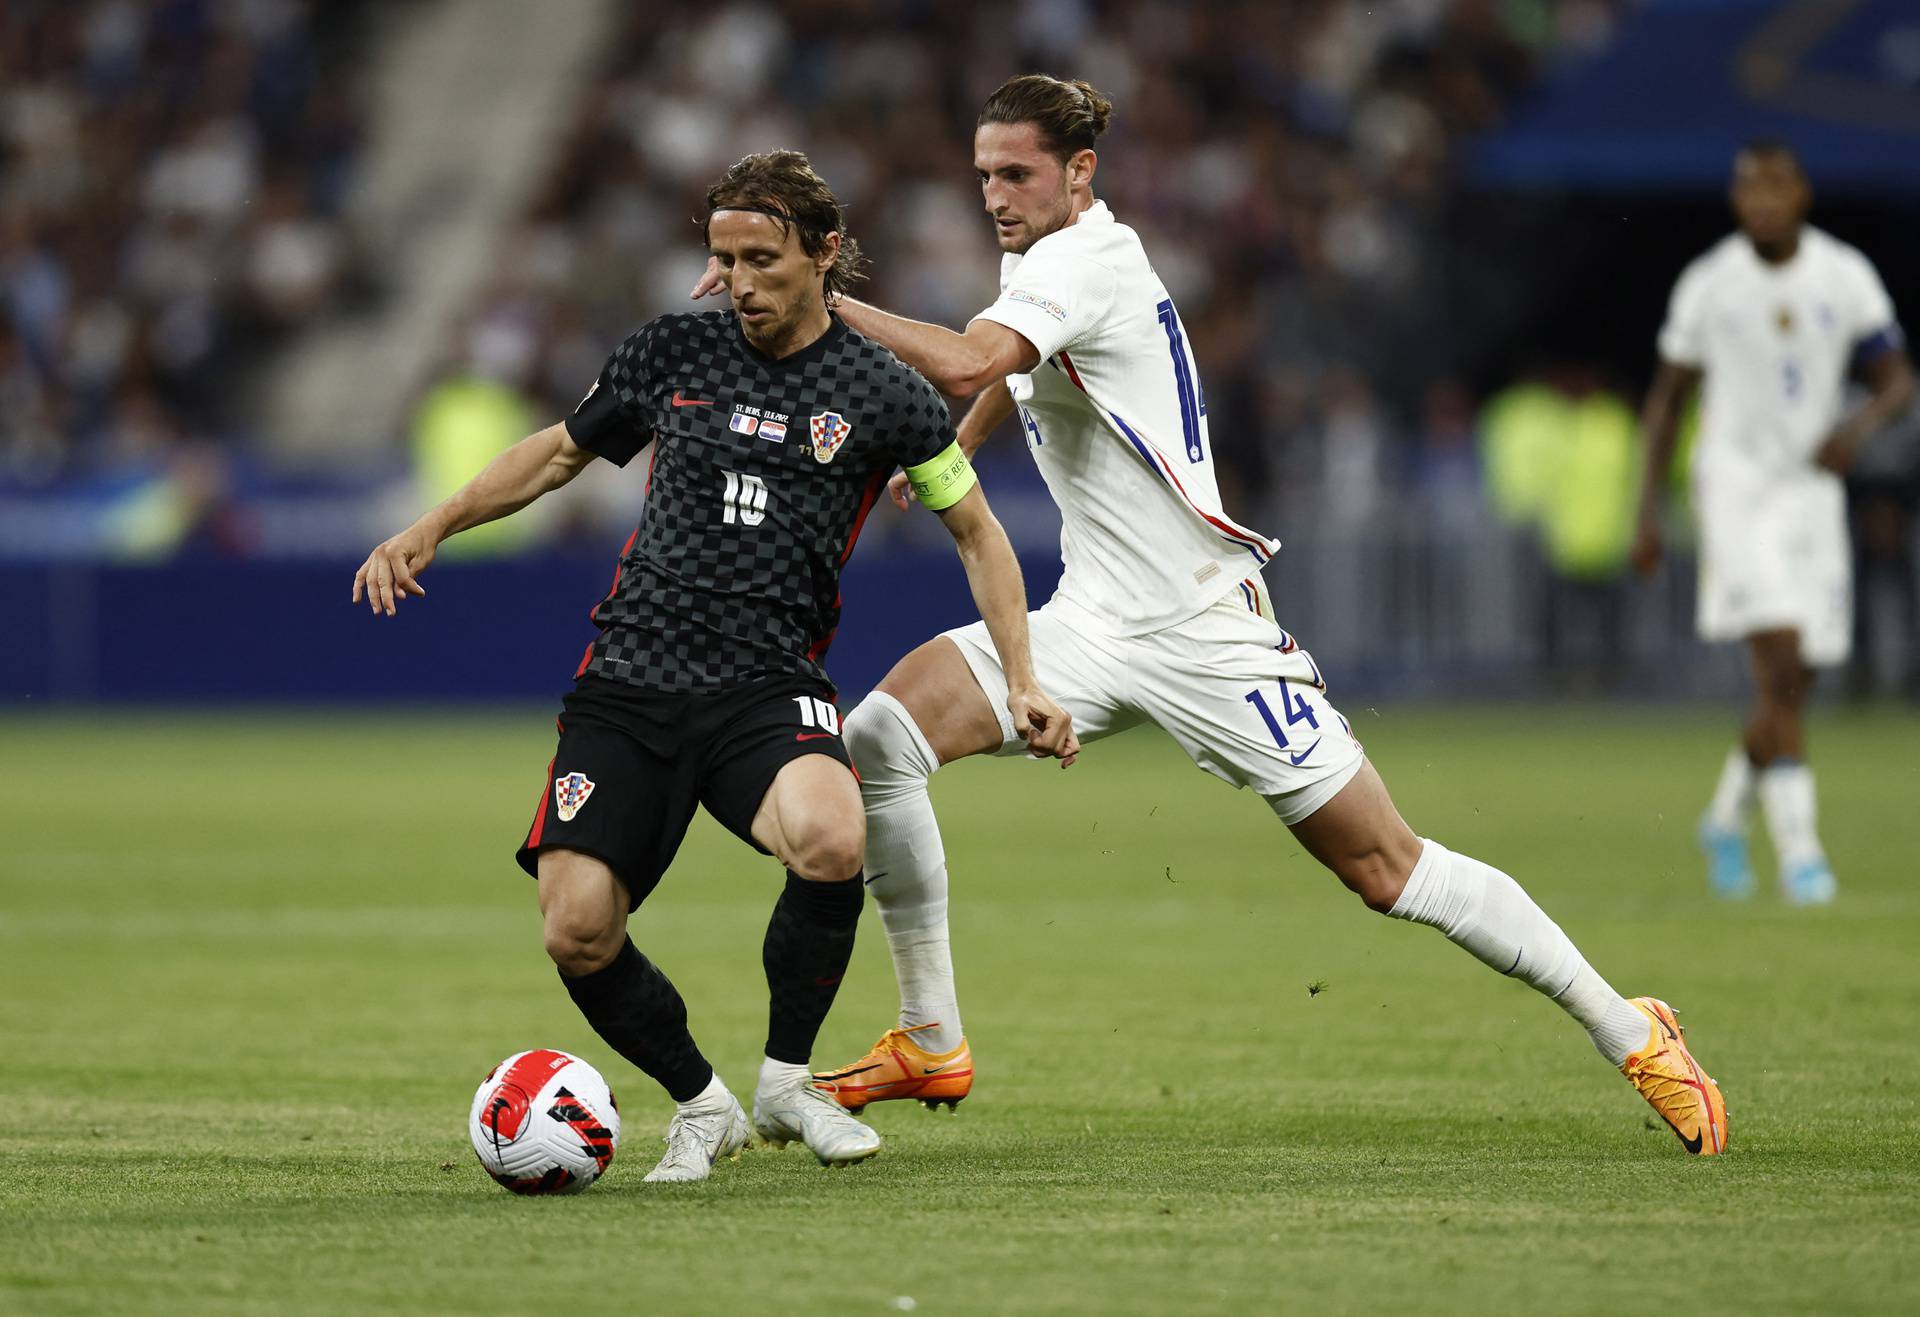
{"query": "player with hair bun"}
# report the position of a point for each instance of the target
(1161, 616)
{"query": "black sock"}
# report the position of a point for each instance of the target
(809, 941)
(638, 1011)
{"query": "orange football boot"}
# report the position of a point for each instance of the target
(1673, 1083)
(898, 1067)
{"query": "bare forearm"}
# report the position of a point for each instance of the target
(959, 365)
(1662, 432)
(990, 408)
(1892, 382)
(1000, 593)
(1660, 424)
(536, 465)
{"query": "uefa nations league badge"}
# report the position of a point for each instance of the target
(829, 430)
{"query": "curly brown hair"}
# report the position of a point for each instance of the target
(1069, 115)
(785, 185)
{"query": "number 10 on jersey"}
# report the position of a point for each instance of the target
(818, 713)
(745, 501)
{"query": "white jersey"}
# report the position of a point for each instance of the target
(1117, 423)
(1775, 343)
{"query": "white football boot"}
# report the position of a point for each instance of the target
(806, 1113)
(696, 1142)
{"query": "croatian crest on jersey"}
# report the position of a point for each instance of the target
(829, 431)
(570, 793)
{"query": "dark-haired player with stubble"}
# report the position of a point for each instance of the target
(772, 430)
(1161, 616)
(1771, 321)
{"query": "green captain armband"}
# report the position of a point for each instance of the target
(945, 480)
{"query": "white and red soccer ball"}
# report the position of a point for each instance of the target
(544, 1122)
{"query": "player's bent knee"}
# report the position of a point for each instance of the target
(888, 748)
(1374, 880)
(1377, 874)
(941, 703)
(583, 909)
(579, 945)
(1780, 693)
(868, 732)
(830, 852)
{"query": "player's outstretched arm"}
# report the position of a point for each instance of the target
(989, 409)
(536, 465)
(1890, 381)
(960, 365)
(1660, 424)
(993, 573)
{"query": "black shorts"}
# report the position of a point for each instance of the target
(633, 764)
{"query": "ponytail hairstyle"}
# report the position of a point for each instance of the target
(1069, 115)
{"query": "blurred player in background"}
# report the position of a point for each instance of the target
(773, 429)
(1773, 318)
(1161, 617)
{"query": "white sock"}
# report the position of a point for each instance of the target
(708, 1100)
(1786, 796)
(906, 863)
(1486, 912)
(1733, 797)
(776, 1075)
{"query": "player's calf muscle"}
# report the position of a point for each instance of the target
(1360, 836)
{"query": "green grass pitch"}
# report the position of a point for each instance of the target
(255, 966)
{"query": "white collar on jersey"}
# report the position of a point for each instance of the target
(1097, 213)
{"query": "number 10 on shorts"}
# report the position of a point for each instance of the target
(818, 713)
(1293, 704)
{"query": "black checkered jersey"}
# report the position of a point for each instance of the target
(763, 472)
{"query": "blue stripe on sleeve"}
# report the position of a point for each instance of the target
(1876, 345)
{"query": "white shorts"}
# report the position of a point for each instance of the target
(1239, 696)
(1776, 559)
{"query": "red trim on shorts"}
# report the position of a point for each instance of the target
(540, 814)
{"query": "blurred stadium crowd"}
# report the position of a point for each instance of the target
(176, 171)
(172, 176)
(1283, 160)
(178, 184)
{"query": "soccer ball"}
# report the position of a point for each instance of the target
(544, 1122)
